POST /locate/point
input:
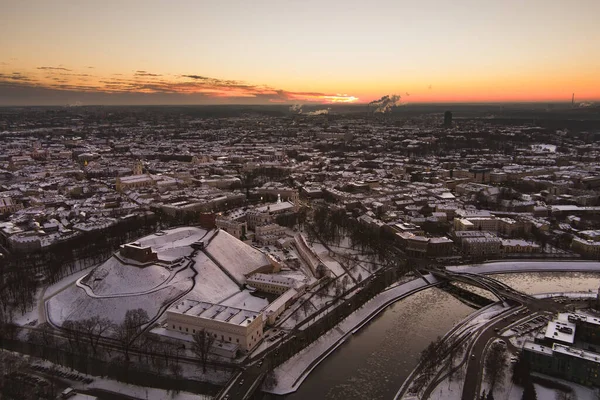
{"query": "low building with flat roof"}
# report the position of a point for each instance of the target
(564, 362)
(225, 324)
(560, 332)
(274, 310)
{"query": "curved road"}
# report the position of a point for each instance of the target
(474, 371)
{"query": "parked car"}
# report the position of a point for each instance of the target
(68, 392)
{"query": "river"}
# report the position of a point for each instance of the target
(373, 363)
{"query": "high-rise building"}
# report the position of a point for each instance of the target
(448, 118)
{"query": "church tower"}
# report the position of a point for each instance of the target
(138, 168)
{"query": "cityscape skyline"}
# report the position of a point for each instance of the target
(268, 53)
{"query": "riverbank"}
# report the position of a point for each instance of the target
(293, 372)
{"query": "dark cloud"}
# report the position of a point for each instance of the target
(55, 68)
(196, 77)
(15, 77)
(145, 73)
(188, 88)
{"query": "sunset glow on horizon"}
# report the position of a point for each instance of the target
(269, 52)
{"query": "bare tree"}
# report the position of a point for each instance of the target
(203, 341)
(9, 330)
(177, 371)
(495, 364)
(9, 363)
(270, 381)
(94, 328)
(42, 335)
(306, 306)
(345, 280)
(130, 329)
(72, 332)
(339, 288)
(321, 293)
(564, 395)
(321, 271)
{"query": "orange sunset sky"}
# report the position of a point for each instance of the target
(269, 52)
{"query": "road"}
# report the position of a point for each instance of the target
(244, 384)
(476, 356)
(474, 373)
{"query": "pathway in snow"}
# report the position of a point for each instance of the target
(161, 286)
(55, 289)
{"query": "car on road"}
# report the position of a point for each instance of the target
(496, 329)
(260, 363)
(241, 382)
(68, 392)
(502, 342)
(472, 356)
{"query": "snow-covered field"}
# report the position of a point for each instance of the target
(74, 304)
(114, 277)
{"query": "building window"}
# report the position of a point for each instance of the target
(230, 338)
(173, 326)
(194, 330)
(179, 327)
(237, 340)
(186, 329)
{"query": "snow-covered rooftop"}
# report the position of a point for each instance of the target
(561, 331)
(538, 348)
(216, 312)
(237, 257)
(574, 352)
